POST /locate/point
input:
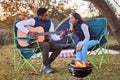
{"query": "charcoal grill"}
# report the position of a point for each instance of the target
(80, 72)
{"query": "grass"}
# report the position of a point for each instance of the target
(106, 72)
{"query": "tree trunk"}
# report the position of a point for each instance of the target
(110, 15)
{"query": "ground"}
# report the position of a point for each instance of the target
(109, 71)
(106, 72)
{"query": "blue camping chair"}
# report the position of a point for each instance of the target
(22, 55)
(98, 25)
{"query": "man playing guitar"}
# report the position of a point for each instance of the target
(41, 23)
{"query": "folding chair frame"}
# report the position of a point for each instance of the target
(22, 60)
(103, 55)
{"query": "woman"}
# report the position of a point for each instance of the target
(87, 38)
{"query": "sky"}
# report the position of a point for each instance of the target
(82, 7)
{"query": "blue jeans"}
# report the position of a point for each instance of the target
(82, 54)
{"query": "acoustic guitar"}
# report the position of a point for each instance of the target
(40, 35)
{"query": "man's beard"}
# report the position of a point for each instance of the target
(44, 20)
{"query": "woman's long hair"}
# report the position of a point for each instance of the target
(80, 20)
(78, 17)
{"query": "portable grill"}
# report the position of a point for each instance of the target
(80, 72)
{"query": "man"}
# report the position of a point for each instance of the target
(43, 20)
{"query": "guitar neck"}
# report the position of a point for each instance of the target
(49, 33)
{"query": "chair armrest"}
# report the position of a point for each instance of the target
(105, 33)
(70, 36)
(29, 40)
(25, 38)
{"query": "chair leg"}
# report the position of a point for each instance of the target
(38, 59)
(22, 62)
(41, 68)
(31, 65)
(103, 57)
(107, 57)
(15, 66)
(96, 67)
(94, 57)
(19, 67)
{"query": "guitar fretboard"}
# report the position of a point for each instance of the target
(48, 33)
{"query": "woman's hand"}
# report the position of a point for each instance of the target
(78, 48)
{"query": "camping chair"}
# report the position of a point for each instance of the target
(99, 26)
(22, 55)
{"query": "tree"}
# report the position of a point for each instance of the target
(9, 14)
(110, 15)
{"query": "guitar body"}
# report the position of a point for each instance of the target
(21, 34)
